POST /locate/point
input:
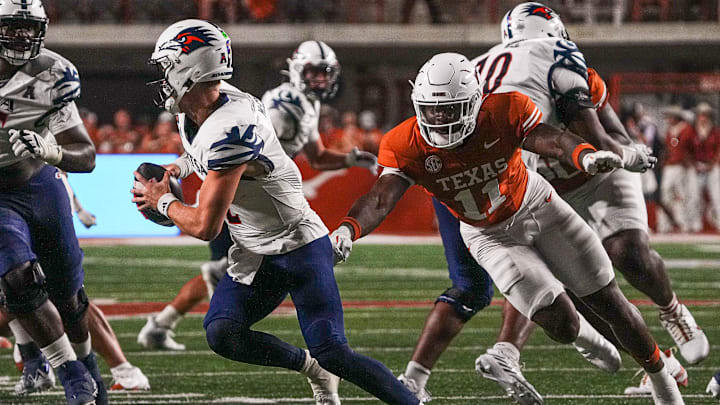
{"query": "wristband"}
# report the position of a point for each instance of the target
(576, 153)
(354, 224)
(164, 203)
(54, 155)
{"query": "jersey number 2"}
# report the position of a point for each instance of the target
(488, 87)
(492, 189)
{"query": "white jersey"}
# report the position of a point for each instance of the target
(39, 97)
(539, 68)
(269, 214)
(294, 116)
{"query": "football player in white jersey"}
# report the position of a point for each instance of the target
(294, 109)
(280, 245)
(552, 71)
(41, 272)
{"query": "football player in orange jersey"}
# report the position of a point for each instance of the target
(464, 149)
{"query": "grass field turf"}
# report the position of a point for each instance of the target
(374, 273)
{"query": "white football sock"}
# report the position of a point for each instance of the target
(82, 349)
(417, 372)
(21, 335)
(168, 317)
(59, 351)
(672, 308)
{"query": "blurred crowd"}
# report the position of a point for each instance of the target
(369, 11)
(339, 131)
(683, 192)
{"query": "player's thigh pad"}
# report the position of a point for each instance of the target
(315, 293)
(15, 240)
(610, 203)
(571, 250)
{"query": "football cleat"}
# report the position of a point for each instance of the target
(672, 365)
(128, 377)
(37, 375)
(421, 393)
(664, 389)
(688, 336)
(154, 336)
(80, 388)
(605, 357)
(713, 387)
(506, 372)
(324, 384)
(90, 362)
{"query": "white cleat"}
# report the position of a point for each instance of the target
(506, 372)
(713, 387)
(324, 384)
(672, 365)
(154, 336)
(128, 377)
(604, 356)
(688, 336)
(421, 393)
(665, 390)
(37, 376)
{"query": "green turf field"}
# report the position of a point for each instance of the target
(412, 273)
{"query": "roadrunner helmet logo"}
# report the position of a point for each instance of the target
(190, 39)
(540, 11)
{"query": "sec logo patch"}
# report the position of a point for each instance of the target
(433, 164)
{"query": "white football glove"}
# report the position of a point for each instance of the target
(341, 240)
(638, 158)
(87, 218)
(601, 162)
(26, 143)
(360, 158)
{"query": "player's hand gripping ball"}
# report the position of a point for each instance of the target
(151, 171)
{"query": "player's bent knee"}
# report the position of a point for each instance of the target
(23, 288)
(73, 310)
(333, 357)
(225, 336)
(465, 303)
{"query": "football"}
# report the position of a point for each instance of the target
(153, 171)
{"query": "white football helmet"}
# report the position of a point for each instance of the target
(314, 69)
(447, 98)
(189, 52)
(531, 20)
(23, 24)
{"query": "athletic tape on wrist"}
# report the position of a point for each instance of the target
(164, 203)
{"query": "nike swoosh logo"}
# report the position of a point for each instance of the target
(549, 197)
(491, 144)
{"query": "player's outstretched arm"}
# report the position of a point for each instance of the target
(570, 149)
(322, 158)
(368, 212)
(204, 221)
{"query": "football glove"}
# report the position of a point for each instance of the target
(602, 161)
(87, 218)
(341, 240)
(638, 158)
(26, 143)
(360, 158)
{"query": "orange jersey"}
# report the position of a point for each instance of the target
(483, 181)
(565, 178)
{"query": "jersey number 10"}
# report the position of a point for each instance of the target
(492, 85)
